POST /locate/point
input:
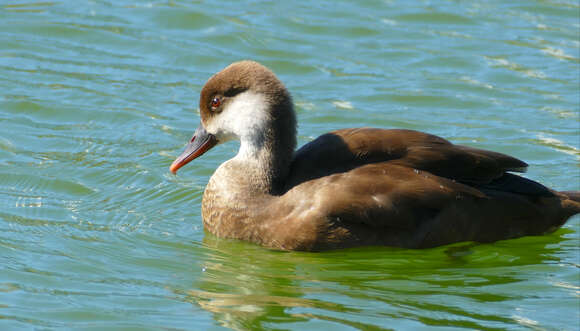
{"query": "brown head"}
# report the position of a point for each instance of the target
(246, 102)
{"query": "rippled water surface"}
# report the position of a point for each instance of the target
(98, 97)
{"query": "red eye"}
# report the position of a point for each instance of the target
(215, 102)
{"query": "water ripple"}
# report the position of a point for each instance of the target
(98, 99)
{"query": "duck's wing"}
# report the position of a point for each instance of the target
(346, 149)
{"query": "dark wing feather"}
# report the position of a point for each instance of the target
(346, 149)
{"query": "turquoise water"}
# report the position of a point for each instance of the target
(97, 99)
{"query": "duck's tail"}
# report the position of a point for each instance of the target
(572, 195)
(571, 202)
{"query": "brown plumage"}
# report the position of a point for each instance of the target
(354, 187)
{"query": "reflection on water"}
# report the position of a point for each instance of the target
(247, 287)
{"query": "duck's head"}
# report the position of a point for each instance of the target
(246, 102)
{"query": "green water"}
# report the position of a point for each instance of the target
(97, 98)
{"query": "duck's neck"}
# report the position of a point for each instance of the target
(263, 161)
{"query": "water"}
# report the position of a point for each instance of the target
(97, 99)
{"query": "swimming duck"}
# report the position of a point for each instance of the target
(353, 187)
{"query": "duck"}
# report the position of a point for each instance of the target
(353, 187)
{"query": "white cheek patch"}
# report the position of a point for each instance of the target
(244, 118)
